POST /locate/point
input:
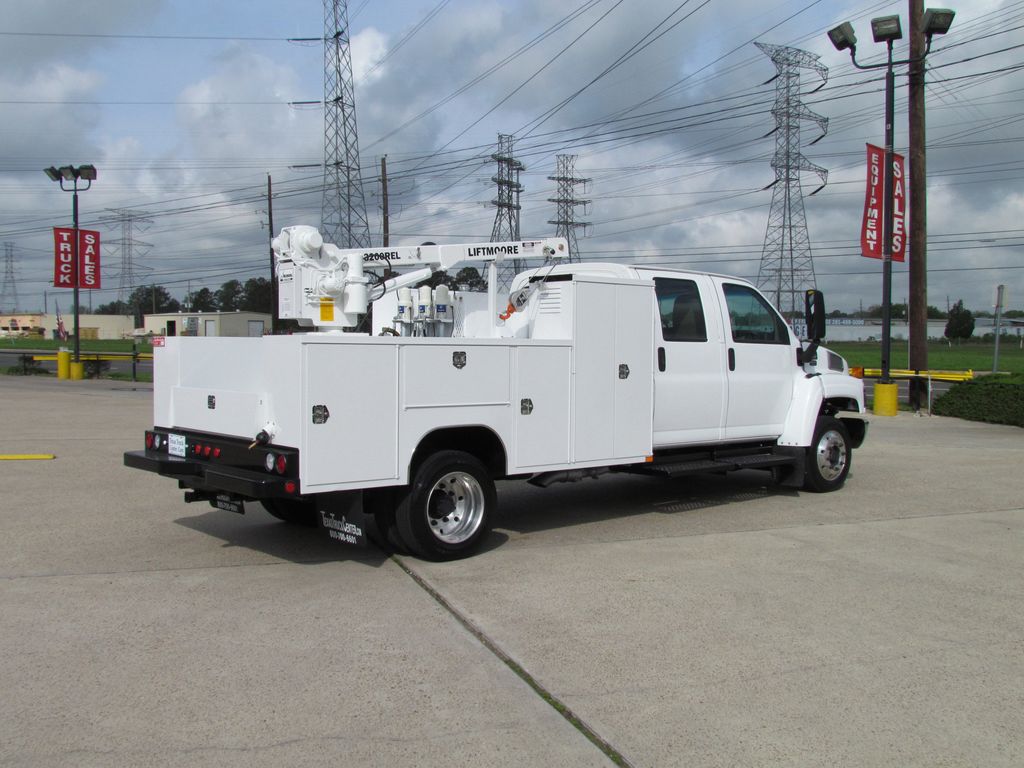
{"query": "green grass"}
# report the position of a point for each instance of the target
(87, 345)
(975, 356)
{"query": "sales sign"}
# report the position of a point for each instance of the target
(64, 258)
(873, 229)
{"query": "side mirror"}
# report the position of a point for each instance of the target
(814, 314)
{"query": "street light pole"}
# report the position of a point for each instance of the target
(936, 21)
(74, 261)
(888, 184)
(73, 174)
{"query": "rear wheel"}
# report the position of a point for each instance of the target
(447, 511)
(828, 457)
(292, 511)
(379, 511)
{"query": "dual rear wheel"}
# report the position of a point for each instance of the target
(444, 514)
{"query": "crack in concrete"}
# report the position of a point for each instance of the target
(547, 696)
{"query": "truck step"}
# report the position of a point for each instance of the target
(700, 466)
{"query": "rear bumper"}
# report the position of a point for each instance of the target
(202, 476)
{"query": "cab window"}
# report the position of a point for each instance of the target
(752, 318)
(682, 315)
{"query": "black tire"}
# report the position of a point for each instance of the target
(828, 457)
(293, 511)
(447, 511)
(379, 515)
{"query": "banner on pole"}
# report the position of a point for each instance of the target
(88, 258)
(873, 228)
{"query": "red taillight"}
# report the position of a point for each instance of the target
(281, 464)
(198, 449)
(149, 440)
(216, 453)
(289, 487)
(207, 451)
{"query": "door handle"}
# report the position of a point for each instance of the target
(732, 359)
(661, 359)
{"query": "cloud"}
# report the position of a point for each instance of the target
(674, 139)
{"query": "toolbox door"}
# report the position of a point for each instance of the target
(349, 413)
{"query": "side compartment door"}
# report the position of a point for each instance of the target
(349, 414)
(690, 387)
(761, 363)
(541, 405)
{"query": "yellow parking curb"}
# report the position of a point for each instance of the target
(26, 456)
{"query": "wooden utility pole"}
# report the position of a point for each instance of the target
(273, 276)
(384, 198)
(917, 322)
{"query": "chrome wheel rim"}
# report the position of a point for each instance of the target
(831, 455)
(455, 507)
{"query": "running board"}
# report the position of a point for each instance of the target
(670, 468)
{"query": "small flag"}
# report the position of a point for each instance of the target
(62, 332)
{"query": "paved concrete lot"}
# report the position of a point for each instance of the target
(715, 622)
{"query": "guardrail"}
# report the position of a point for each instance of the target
(902, 373)
(97, 357)
(874, 373)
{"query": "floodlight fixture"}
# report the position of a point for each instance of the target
(87, 172)
(937, 21)
(886, 29)
(843, 37)
(69, 172)
(53, 173)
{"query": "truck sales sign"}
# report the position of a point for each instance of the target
(873, 230)
(64, 258)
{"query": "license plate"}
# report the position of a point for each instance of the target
(176, 445)
(228, 503)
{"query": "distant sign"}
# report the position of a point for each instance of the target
(873, 229)
(64, 258)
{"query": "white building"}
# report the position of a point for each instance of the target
(45, 325)
(207, 324)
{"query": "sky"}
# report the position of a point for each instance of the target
(187, 107)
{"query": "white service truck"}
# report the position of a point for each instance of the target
(585, 368)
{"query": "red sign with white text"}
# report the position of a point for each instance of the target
(873, 229)
(64, 259)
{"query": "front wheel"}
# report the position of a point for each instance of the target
(828, 457)
(447, 511)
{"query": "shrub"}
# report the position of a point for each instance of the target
(995, 399)
(26, 367)
(95, 369)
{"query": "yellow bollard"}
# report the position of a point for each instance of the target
(77, 371)
(63, 361)
(886, 399)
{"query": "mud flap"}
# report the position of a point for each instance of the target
(341, 517)
(791, 476)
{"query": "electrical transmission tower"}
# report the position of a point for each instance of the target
(786, 269)
(343, 214)
(129, 247)
(9, 295)
(565, 221)
(506, 221)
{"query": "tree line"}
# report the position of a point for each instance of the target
(254, 295)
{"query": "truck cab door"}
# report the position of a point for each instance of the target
(690, 385)
(761, 362)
